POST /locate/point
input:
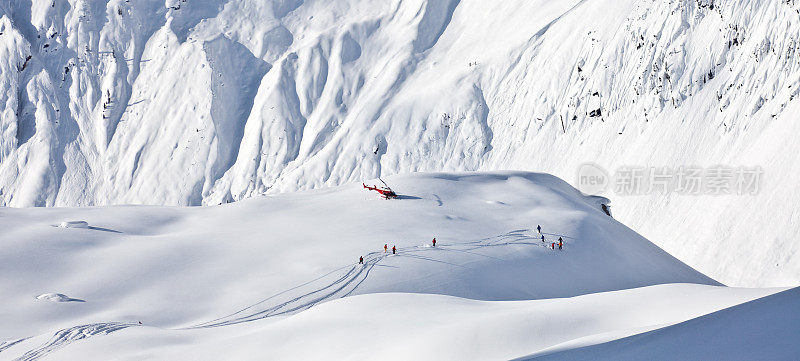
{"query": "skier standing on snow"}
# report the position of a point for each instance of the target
(553, 245)
(560, 243)
(434, 241)
(542, 238)
(539, 228)
(385, 248)
(394, 250)
(361, 260)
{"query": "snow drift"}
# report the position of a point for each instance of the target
(728, 334)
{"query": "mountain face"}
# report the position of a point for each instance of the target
(201, 102)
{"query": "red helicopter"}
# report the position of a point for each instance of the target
(386, 192)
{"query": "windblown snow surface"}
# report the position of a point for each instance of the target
(277, 277)
(190, 102)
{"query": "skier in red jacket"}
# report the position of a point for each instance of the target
(434, 241)
(361, 260)
(394, 250)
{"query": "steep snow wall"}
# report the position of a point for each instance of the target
(202, 102)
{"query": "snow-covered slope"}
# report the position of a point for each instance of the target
(203, 102)
(210, 274)
(433, 327)
(772, 323)
(131, 257)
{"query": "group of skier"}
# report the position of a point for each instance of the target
(553, 245)
(386, 249)
(394, 250)
(560, 243)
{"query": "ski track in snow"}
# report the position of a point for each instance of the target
(301, 297)
(68, 335)
(7, 344)
(351, 276)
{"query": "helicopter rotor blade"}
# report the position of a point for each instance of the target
(384, 183)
